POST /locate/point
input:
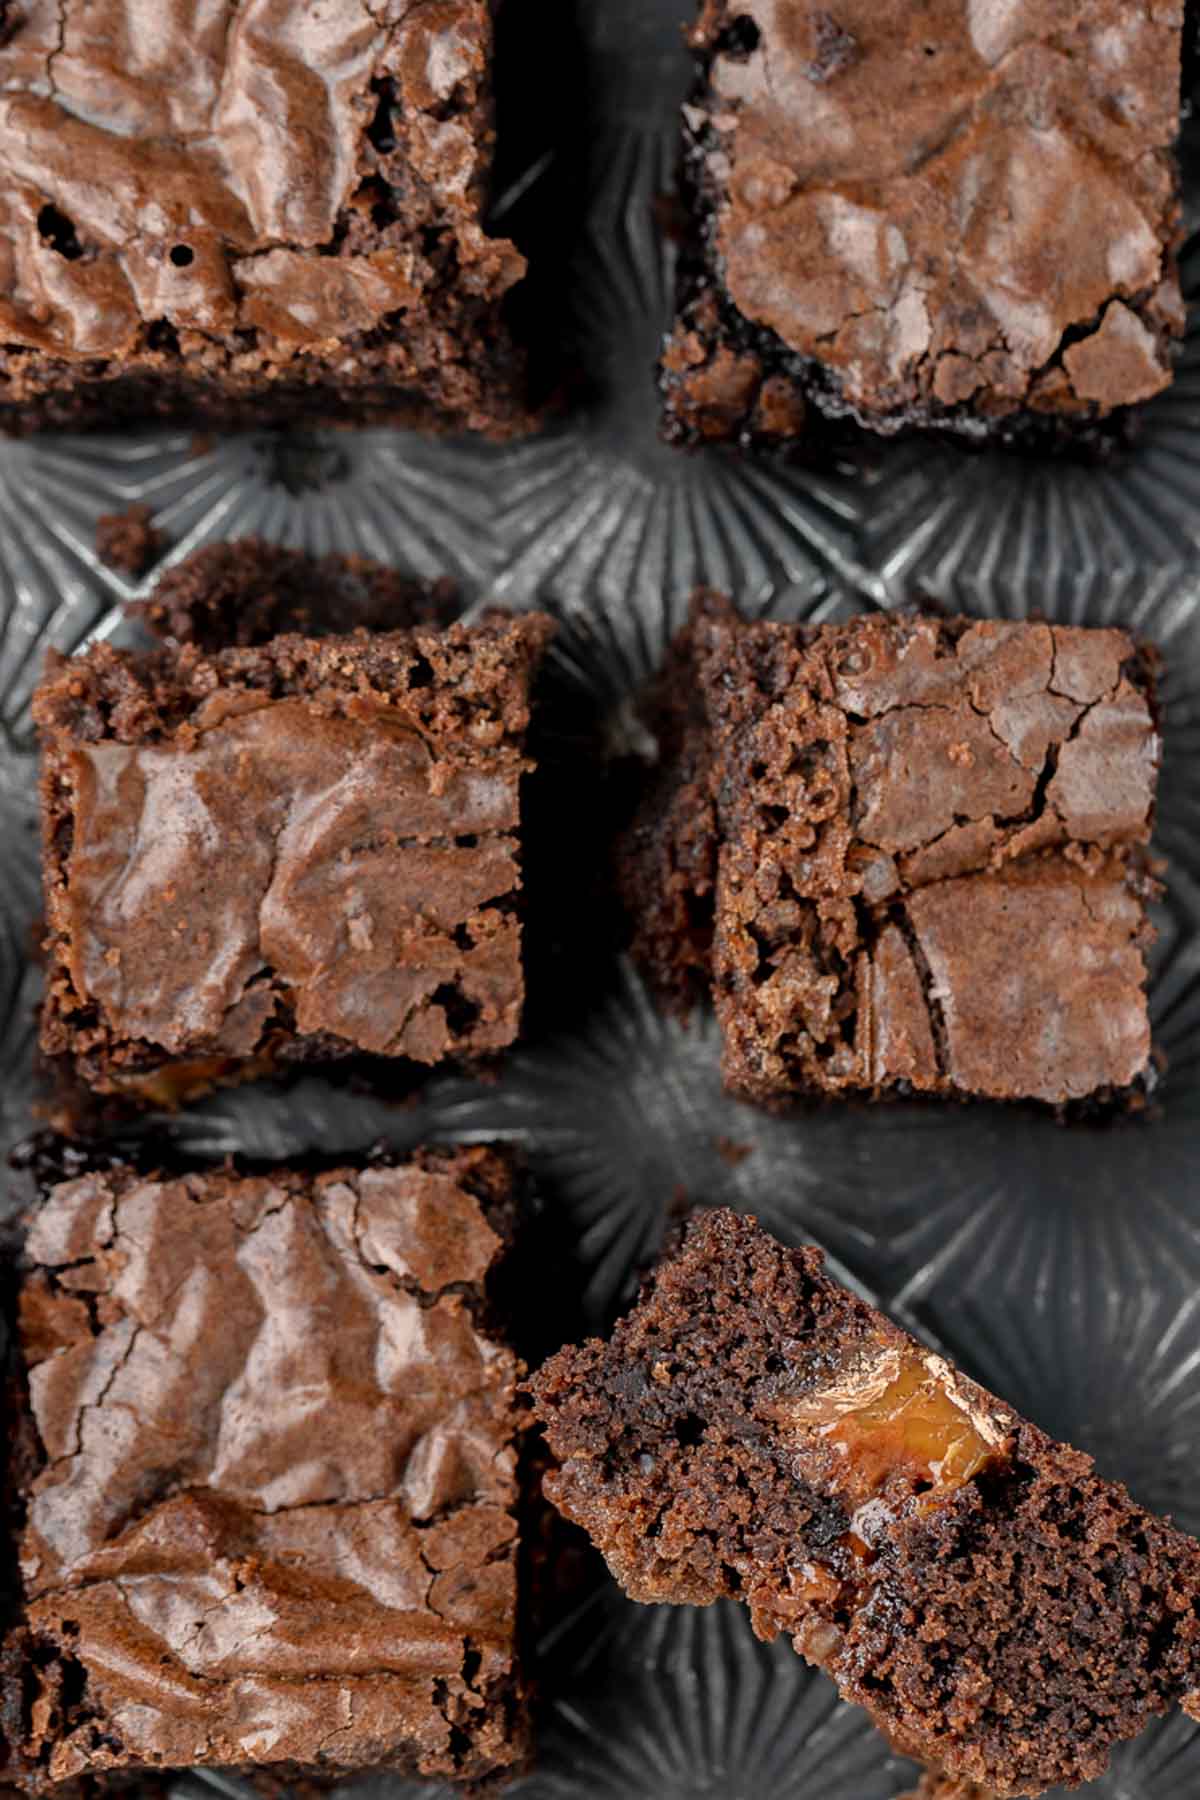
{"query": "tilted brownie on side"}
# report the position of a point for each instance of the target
(266, 1477)
(753, 1429)
(254, 212)
(302, 850)
(942, 215)
(927, 867)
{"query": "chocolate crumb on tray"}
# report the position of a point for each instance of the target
(909, 856)
(296, 851)
(263, 1455)
(129, 541)
(963, 218)
(258, 213)
(752, 1429)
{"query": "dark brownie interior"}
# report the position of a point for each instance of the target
(266, 1473)
(921, 866)
(907, 216)
(752, 1429)
(307, 848)
(254, 210)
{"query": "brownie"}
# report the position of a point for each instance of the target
(269, 1518)
(928, 839)
(949, 216)
(258, 210)
(305, 849)
(753, 1430)
(249, 591)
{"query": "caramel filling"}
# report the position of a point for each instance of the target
(913, 1428)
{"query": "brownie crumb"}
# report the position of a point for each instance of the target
(130, 541)
(731, 1152)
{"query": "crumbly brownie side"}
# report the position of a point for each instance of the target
(752, 1429)
(883, 786)
(803, 297)
(666, 857)
(282, 269)
(945, 1787)
(249, 591)
(384, 770)
(397, 1650)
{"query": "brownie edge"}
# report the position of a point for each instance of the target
(753, 1430)
(267, 1511)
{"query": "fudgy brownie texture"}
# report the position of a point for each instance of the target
(752, 1429)
(260, 209)
(925, 872)
(305, 849)
(267, 1465)
(248, 591)
(927, 215)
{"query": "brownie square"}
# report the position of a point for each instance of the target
(308, 848)
(941, 216)
(267, 1476)
(753, 1430)
(252, 212)
(925, 867)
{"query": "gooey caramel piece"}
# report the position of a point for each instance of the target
(915, 1428)
(896, 1414)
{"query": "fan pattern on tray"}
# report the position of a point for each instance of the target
(1060, 1266)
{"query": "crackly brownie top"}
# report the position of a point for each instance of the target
(274, 1518)
(232, 167)
(952, 203)
(925, 870)
(752, 1429)
(325, 829)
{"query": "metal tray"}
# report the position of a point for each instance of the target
(1060, 1266)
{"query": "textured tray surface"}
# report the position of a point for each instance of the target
(1062, 1267)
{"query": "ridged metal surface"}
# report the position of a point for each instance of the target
(1061, 1266)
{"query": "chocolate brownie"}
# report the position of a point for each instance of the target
(928, 841)
(270, 1476)
(935, 215)
(752, 1429)
(249, 591)
(268, 854)
(257, 210)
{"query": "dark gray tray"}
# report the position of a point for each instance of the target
(1060, 1266)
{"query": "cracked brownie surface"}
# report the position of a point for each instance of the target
(935, 214)
(304, 848)
(924, 867)
(252, 209)
(268, 1515)
(753, 1430)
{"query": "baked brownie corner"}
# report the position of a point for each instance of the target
(340, 817)
(905, 217)
(271, 1524)
(296, 229)
(753, 1430)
